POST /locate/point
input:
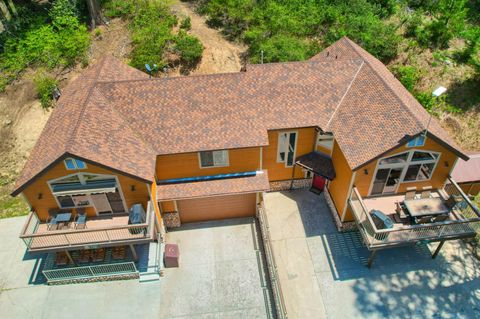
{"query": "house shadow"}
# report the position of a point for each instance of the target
(36, 276)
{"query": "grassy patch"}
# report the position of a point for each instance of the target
(10, 206)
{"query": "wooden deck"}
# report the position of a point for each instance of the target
(101, 231)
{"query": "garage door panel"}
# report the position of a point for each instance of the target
(214, 208)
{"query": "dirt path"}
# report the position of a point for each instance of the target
(219, 54)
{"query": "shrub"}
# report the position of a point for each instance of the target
(280, 48)
(186, 24)
(118, 8)
(408, 75)
(189, 47)
(45, 86)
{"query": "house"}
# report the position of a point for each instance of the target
(467, 175)
(206, 147)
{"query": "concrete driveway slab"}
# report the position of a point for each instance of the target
(219, 277)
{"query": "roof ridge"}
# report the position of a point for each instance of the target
(345, 94)
(419, 122)
(73, 135)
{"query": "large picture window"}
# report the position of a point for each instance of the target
(404, 167)
(286, 148)
(213, 158)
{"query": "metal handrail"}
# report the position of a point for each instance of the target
(280, 300)
(95, 271)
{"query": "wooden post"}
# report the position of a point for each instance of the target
(134, 252)
(69, 257)
(438, 249)
(293, 175)
(372, 257)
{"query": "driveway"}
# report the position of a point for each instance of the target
(220, 276)
(323, 273)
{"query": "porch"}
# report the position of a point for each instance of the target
(460, 221)
(100, 231)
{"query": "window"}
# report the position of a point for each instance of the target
(326, 141)
(417, 141)
(213, 158)
(404, 167)
(286, 148)
(73, 163)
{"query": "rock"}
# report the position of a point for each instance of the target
(7, 122)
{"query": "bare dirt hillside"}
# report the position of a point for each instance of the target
(219, 54)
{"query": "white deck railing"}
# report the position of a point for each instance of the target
(81, 238)
(373, 237)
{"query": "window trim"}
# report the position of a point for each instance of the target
(74, 161)
(405, 167)
(325, 137)
(294, 148)
(213, 166)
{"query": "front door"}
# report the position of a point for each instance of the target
(318, 182)
(386, 181)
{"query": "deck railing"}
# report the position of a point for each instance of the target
(82, 238)
(272, 266)
(90, 272)
(466, 226)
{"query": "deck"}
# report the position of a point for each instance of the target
(101, 231)
(463, 221)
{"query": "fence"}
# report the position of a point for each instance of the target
(272, 266)
(91, 272)
(466, 226)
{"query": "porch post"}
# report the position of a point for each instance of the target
(70, 259)
(438, 249)
(372, 257)
(293, 176)
(134, 252)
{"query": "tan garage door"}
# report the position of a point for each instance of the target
(219, 207)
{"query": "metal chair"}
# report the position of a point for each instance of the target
(426, 192)
(410, 195)
(51, 219)
(81, 218)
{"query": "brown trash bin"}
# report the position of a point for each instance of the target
(171, 256)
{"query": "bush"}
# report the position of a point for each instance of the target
(189, 48)
(280, 48)
(118, 8)
(186, 24)
(56, 39)
(408, 75)
(45, 86)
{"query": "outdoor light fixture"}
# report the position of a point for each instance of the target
(40, 195)
(446, 164)
(132, 188)
(365, 171)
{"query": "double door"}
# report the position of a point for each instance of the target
(386, 180)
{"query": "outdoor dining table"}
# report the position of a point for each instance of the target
(417, 208)
(63, 218)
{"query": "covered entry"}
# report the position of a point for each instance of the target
(320, 165)
(218, 207)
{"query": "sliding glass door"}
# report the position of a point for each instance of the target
(386, 180)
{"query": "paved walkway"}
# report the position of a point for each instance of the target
(219, 277)
(323, 273)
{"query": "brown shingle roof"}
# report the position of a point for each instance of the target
(467, 171)
(83, 125)
(229, 186)
(116, 116)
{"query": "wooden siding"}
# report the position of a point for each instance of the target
(471, 189)
(40, 186)
(168, 206)
(188, 165)
(305, 144)
(339, 187)
(324, 150)
(363, 182)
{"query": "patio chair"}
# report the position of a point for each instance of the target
(400, 211)
(98, 255)
(51, 221)
(81, 219)
(410, 194)
(423, 220)
(426, 192)
(440, 218)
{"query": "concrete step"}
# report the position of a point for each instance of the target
(149, 277)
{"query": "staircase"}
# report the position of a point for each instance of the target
(150, 263)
